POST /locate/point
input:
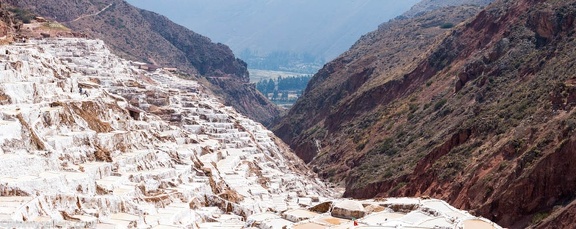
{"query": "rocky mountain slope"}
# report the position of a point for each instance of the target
(480, 115)
(146, 36)
(8, 26)
(89, 140)
(375, 59)
(430, 5)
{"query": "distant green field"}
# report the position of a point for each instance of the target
(282, 91)
(257, 75)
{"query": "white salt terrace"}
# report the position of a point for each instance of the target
(90, 140)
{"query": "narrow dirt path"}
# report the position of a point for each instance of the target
(94, 14)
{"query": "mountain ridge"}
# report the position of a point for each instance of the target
(479, 115)
(146, 36)
(311, 31)
(430, 5)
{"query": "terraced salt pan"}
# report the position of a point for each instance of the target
(377, 218)
(478, 224)
(145, 165)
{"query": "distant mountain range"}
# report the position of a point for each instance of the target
(277, 34)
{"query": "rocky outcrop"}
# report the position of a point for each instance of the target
(9, 25)
(348, 210)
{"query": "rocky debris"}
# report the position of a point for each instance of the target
(348, 209)
(9, 26)
(322, 208)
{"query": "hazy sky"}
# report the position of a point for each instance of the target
(320, 27)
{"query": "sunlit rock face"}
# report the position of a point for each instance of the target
(90, 140)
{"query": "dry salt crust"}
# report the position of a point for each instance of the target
(80, 147)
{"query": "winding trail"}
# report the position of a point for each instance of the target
(94, 14)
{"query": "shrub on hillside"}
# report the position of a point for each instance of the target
(446, 25)
(23, 15)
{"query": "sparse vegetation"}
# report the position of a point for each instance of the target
(360, 145)
(439, 104)
(386, 147)
(397, 187)
(538, 217)
(446, 25)
(54, 26)
(23, 15)
(413, 107)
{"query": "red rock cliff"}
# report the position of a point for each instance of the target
(480, 115)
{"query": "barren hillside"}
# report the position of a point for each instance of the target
(430, 5)
(480, 115)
